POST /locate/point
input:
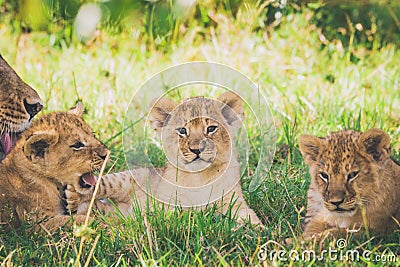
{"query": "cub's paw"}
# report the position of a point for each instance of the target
(73, 199)
(246, 214)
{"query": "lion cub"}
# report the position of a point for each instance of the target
(354, 182)
(58, 149)
(197, 136)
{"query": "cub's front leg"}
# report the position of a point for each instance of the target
(243, 210)
(318, 227)
(52, 224)
(114, 191)
(78, 203)
(314, 228)
(73, 199)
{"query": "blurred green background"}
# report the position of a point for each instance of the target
(372, 23)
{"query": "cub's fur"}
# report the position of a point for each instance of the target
(58, 149)
(197, 138)
(19, 103)
(354, 182)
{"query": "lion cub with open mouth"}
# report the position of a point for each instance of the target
(354, 183)
(58, 149)
(198, 140)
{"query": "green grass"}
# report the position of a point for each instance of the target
(310, 89)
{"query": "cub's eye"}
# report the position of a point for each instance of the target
(324, 176)
(352, 176)
(182, 131)
(211, 129)
(78, 145)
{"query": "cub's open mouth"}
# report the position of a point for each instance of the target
(87, 180)
(7, 141)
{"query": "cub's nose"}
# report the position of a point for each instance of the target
(195, 151)
(337, 202)
(32, 108)
(102, 152)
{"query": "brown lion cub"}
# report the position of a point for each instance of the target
(58, 149)
(197, 136)
(354, 183)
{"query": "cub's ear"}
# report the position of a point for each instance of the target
(310, 146)
(376, 143)
(233, 110)
(37, 145)
(77, 110)
(159, 112)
